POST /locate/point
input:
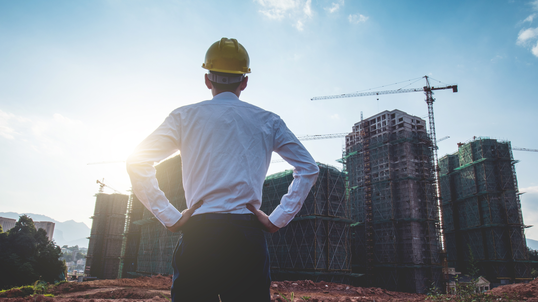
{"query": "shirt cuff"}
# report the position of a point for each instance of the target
(169, 216)
(280, 218)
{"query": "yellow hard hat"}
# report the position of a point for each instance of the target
(227, 56)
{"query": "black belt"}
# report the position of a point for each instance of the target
(215, 216)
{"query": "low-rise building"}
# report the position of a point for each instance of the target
(7, 223)
(457, 282)
(48, 226)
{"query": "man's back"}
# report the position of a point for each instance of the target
(226, 148)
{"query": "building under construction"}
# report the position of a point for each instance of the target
(396, 234)
(131, 239)
(482, 211)
(106, 237)
(315, 244)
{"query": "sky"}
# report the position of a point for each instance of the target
(85, 81)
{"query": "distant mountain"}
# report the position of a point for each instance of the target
(532, 244)
(65, 233)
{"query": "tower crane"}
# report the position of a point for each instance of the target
(428, 91)
(102, 185)
(524, 149)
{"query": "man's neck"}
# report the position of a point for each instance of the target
(215, 91)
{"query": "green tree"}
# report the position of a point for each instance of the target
(472, 270)
(28, 255)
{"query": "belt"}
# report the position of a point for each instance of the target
(215, 216)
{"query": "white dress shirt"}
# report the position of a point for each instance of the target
(225, 147)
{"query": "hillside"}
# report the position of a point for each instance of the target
(532, 244)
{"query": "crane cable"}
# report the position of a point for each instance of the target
(415, 80)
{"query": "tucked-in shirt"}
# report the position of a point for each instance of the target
(226, 148)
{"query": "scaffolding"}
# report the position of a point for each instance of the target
(104, 249)
(482, 211)
(396, 235)
(315, 244)
(131, 238)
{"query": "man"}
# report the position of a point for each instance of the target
(226, 147)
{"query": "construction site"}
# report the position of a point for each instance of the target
(106, 237)
(315, 245)
(393, 217)
(396, 237)
(482, 211)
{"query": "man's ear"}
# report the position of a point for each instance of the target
(243, 84)
(208, 83)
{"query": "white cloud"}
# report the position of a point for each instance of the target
(297, 10)
(335, 116)
(531, 190)
(529, 18)
(50, 135)
(277, 9)
(496, 58)
(526, 35)
(5, 130)
(535, 50)
(335, 6)
(8, 123)
(529, 209)
(308, 8)
(299, 25)
(357, 18)
(66, 121)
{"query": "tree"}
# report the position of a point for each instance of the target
(473, 268)
(27, 255)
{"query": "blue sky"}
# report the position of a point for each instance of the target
(85, 81)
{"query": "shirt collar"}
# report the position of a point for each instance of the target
(226, 96)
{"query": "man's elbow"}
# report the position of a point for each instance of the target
(312, 170)
(315, 169)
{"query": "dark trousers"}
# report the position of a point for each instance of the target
(221, 254)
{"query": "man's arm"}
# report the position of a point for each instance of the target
(305, 174)
(162, 143)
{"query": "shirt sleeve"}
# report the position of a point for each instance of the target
(162, 143)
(305, 174)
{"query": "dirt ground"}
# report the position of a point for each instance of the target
(157, 288)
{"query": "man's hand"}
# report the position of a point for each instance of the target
(263, 218)
(186, 214)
